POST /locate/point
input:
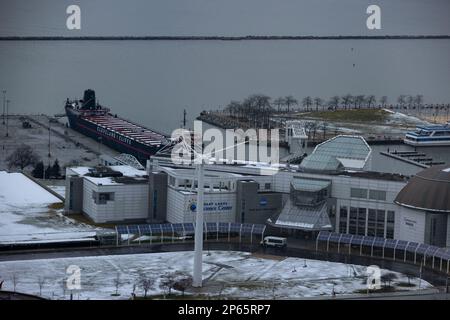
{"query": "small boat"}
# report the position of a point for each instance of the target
(437, 135)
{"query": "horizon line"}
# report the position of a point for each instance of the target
(225, 38)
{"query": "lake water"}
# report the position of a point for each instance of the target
(151, 82)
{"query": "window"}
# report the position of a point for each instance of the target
(343, 219)
(377, 195)
(358, 193)
(155, 203)
(267, 186)
(381, 214)
(390, 224)
(362, 221)
(353, 220)
(102, 197)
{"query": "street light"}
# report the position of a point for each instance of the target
(4, 102)
(7, 111)
(49, 124)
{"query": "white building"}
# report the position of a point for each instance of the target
(107, 194)
(332, 189)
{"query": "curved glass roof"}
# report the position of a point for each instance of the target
(350, 152)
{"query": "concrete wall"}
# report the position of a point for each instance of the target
(130, 202)
(253, 206)
(74, 195)
(157, 197)
(218, 206)
(409, 225)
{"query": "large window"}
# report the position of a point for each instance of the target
(353, 220)
(372, 223)
(377, 195)
(380, 223)
(358, 193)
(390, 224)
(362, 221)
(343, 219)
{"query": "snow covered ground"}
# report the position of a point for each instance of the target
(228, 274)
(25, 215)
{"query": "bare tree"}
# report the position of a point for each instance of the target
(346, 100)
(371, 100)
(22, 157)
(167, 282)
(279, 102)
(359, 100)
(117, 283)
(318, 102)
(307, 102)
(384, 101)
(183, 284)
(290, 101)
(401, 100)
(334, 102)
(146, 284)
(41, 283)
(418, 101)
(388, 277)
(409, 101)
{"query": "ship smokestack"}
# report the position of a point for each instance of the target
(89, 100)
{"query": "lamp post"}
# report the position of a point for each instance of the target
(49, 124)
(198, 250)
(4, 102)
(7, 111)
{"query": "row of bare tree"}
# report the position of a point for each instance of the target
(259, 107)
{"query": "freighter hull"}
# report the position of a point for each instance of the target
(119, 134)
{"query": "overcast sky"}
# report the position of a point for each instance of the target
(223, 17)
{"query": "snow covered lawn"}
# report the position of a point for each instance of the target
(229, 274)
(25, 215)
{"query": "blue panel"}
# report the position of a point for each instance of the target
(133, 229)
(401, 245)
(412, 247)
(211, 227)
(357, 240)
(122, 229)
(235, 227)
(346, 238)
(390, 243)
(178, 227)
(422, 248)
(432, 250)
(189, 227)
(247, 228)
(323, 235)
(223, 227)
(379, 243)
(156, 228)
(144, 228)
(335, 237)
(167, 227)
(259, 229)
(368, 241)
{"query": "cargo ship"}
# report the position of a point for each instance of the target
(97, 122)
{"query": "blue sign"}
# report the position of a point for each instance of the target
(263, 201)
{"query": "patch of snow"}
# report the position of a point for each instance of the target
(17, 189)
(25, 216)
(241, 275)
